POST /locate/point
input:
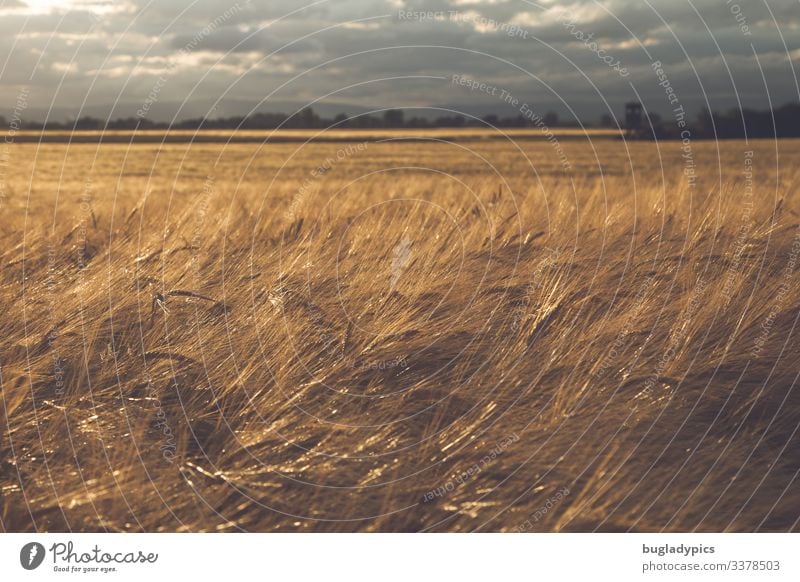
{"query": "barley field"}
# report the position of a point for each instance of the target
(400, 335)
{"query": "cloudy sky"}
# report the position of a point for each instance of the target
(579, 57)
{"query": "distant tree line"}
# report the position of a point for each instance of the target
(734, 123)
(781, 122)
(305, 119)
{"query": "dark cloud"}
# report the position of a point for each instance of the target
(101, 52)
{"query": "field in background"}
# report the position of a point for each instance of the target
(302, 135)
(400, 336)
